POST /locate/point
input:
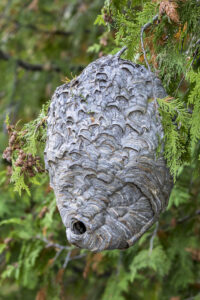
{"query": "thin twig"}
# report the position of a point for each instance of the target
(67, 259)
(186, 218)
(118, 54)
(61, 248)
(78, 256)
(153, 237)
(147, 25)
(182, 220)
(51, 244)
(57, 254)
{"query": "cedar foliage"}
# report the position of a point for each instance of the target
(35, 261)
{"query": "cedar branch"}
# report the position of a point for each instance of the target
(186, 218)
(51, 244)
(28, 66)
(147, 25)
(153, 237)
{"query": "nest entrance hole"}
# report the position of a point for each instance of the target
(78, 227)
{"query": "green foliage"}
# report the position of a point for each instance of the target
(35, 132)
(30, 139)
(194, 101)
(18, 179)
(99, 20)
(157, 261)
(160, 40)
(129, 25)
(176, 123)
(35, 260)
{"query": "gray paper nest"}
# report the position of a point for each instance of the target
(102, 136)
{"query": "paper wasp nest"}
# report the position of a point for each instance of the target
(103, 132)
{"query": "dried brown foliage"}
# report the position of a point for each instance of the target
(92, 263)
(170, 9)
(41, 294)
(195, 253)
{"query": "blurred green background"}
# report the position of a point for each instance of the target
(44, 43)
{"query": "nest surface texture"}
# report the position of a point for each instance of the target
(101, 153)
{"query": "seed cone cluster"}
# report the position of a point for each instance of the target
(29, 164)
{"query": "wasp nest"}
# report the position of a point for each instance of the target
(103, 132)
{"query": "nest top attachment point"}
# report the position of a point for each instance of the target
(101, 153)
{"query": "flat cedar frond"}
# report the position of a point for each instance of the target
(35, 131)
(175, 131)
(194, 101)
(18, 179)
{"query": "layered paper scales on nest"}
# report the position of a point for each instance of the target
(103, 133)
